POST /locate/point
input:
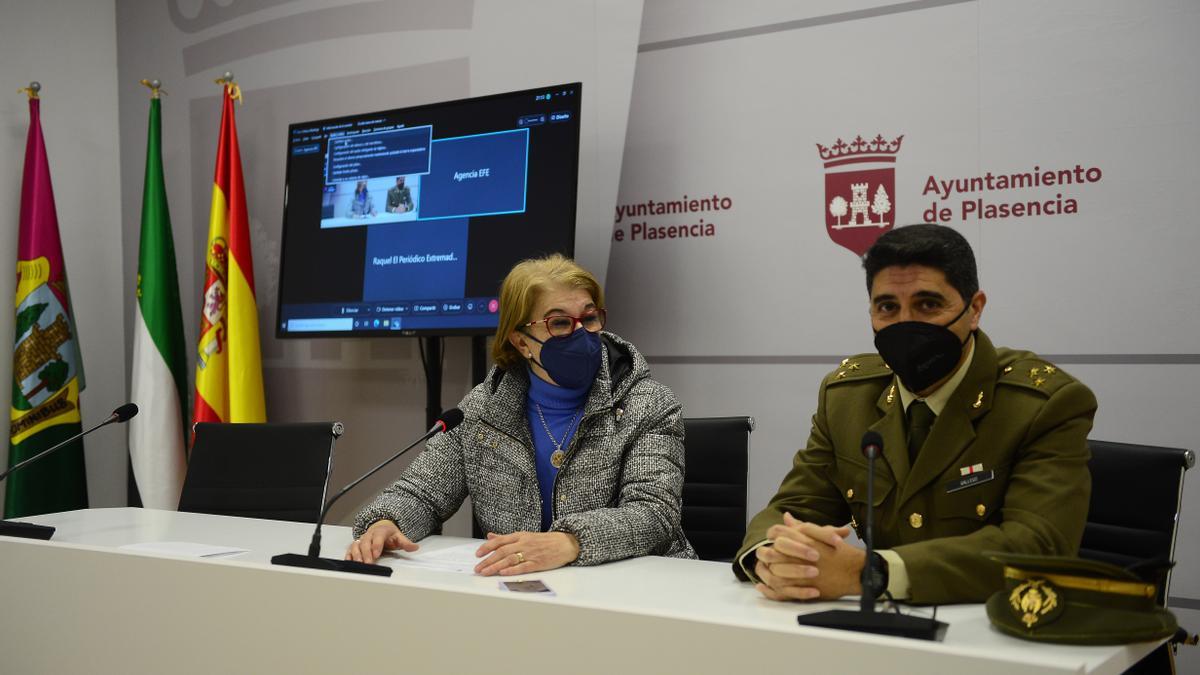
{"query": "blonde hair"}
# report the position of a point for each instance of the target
(521, 290)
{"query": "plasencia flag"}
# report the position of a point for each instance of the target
(47, 368)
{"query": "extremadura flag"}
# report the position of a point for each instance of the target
(159, 374)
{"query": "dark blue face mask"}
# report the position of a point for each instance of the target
(571, 361)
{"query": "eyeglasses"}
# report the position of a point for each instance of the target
(561, 325)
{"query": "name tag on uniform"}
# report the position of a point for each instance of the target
(970, 480)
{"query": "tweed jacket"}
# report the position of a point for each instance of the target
(1004, 468)
(618, 490)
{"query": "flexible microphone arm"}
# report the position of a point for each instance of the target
(44, 532)
(871, 443)
(450, 419)
(865, 619)
(121, 414)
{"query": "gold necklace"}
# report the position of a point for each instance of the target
(557, 457)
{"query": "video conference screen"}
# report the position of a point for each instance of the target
(404, 222)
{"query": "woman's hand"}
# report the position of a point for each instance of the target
(524, 552)
(382, 535)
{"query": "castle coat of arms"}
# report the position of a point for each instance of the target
(860, 189)
(46, 364)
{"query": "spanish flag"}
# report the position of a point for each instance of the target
(229, 385)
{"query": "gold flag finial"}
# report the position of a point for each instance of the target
(32, 90)
(226, 80)
(155, 86)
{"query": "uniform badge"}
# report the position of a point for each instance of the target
(968, 470)
(1035, 601)
(971, 476)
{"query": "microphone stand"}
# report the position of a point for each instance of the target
(9, 528)
(866, 619)
(313, 559)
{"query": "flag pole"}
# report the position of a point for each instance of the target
(229, 84)
(155, 86)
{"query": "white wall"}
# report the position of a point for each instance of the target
(70, 47)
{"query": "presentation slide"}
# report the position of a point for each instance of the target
(478, 175)
(375, 177)
(366, 155)
(423, 260)
(406, 221)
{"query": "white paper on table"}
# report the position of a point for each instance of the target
(460, 558)
(184, 549)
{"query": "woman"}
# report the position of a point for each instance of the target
(570, 452)
(361, 205)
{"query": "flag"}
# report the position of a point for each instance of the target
(156, 438)
(47, 368)
(229, 385)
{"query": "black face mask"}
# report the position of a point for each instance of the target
(920, 353)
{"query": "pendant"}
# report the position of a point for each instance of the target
(556, 459)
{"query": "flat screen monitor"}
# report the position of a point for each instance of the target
(404, 222)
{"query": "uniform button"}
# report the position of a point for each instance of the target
(850, 493)
(479, 436)
(916, 520)
(981, 510)
(620, 412)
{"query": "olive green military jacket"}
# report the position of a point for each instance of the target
(1013, 415)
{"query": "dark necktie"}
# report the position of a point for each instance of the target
(920, 420)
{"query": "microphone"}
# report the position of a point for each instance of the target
(313, 560)
(30, 530)
(866, 619)
(872, 582)
(125, 413)
(872, 445)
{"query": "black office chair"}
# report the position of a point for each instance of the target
(1134, 513)
(274, 471)
(717, 452)
(1133, 517)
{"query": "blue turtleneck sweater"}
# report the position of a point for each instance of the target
(563, 409)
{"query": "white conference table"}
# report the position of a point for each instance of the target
(77, 603)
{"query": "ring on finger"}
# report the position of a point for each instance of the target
(520, 557)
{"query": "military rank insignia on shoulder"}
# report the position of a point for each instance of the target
(860, 367)
(1034, 373)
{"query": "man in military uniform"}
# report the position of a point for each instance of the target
(984, 448)
(399, 198)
